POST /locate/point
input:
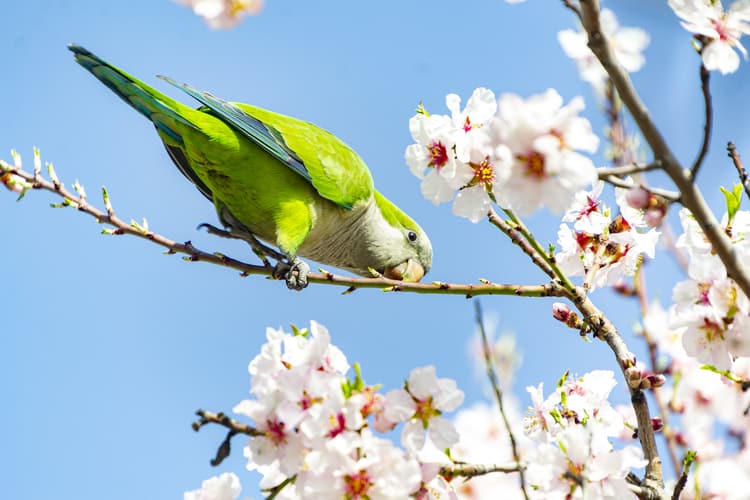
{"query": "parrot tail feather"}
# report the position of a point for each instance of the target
(163, 111)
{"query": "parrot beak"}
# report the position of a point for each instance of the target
(410, 270)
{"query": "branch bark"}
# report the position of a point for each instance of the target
(691, 197)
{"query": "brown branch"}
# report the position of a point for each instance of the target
(707, 125)
(735, 156)
(670, 196)
(691, 196)
(518, 239)
(208, 417)
(570, 5)
(495, 383)
(193, 254)
(624, 170)
(603, 329)
(474, 470)
(225, 448)
(664, 413)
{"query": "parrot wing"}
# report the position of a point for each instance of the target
(336, 171)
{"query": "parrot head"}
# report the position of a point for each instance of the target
(406, 251)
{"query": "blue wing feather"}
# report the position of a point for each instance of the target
(265, 136)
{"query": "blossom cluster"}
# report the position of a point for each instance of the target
(319, 428)
(710, 309)
(521, 153)
(706, 407)
(720, 30)
(571, 431)
(223, 14)
(600, 246)
(317, 433)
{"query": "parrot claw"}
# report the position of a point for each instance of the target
(294, 272)
(261, 250)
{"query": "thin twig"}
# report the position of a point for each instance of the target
(274, 492)
(518, 239)
(735, 156)
(194, 254)
(707, 103)
(670, 196)
(225, 448)
(570, 5)
(624, 170)
(474, 470)
(690, 195)
(208, 417)
(548, 258)
(495, 383)
(687, 462)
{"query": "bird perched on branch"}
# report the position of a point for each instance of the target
(278, 179)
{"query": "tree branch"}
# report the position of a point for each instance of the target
(474, 470)
(495, 383)
(194, 254)
(606, 331)
(735, 156)
(518, 239)
(705, 79)
(624, 170)
(691, 197)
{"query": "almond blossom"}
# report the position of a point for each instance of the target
(223, 487)
(544, 136)
(524, 157)
(722, 29)
(626, 43)
(600, 247)
(456, 153)
(420, 404)
(710, 309)
(581, 463)
(223, 14)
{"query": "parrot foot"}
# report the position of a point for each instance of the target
(259, 249)
(294, 272)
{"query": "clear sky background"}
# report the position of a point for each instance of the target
(107, 347)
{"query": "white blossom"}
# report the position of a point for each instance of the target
(223, 14)
(723, 29)
(626, 43)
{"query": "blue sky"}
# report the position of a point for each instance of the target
(107, 347)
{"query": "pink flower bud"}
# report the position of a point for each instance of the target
(560, 311)
(655, 380)
(657, 424)
(638, 198)
(654, 217)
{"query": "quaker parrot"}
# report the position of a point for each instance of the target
(285, 181)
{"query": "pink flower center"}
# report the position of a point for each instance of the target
(338, 424)
(307, 401)
(467, 124)
(721, 28)
(592, 205)
(357, 485)
(534, 164)
(275, 432)
(438, 155)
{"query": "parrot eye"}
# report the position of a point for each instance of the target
(412, 236)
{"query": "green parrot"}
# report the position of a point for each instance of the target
(282, 180)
